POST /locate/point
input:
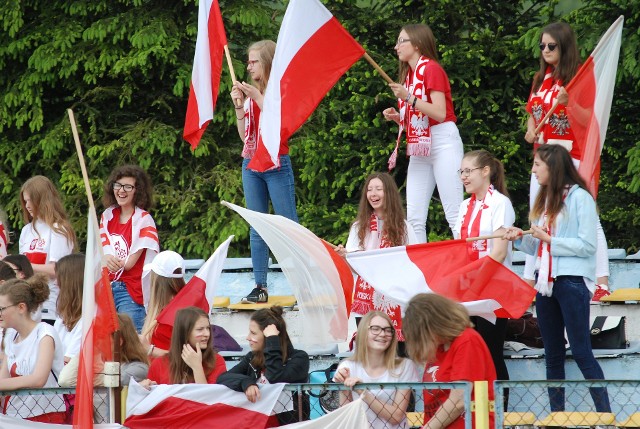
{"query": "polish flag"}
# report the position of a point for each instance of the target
(198, 406)
(312, 52)
(486, 287)
(199, 292)
(4, 241)
(321, 280)
(207, 68)
(99, 322)
(8, 422)
(590, 97)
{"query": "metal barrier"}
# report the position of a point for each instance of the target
(52, 400)
(529, 403)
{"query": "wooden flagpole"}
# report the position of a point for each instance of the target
(378, 68)
(489, 237)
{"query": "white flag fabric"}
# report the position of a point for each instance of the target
(7, 422)
(350, 416)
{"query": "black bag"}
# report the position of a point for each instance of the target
(323, 401)
(525, 330)
(608, 332)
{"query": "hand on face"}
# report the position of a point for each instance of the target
(193, 358)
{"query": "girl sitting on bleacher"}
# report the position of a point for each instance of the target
(375, 361)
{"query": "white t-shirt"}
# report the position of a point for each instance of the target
(71, 340)
(22, 358)
(497, 213)
(372, 241)
(406, 372)
(42, 246)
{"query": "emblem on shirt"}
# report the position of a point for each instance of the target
(37, 243)
(560, 123)
(536, 111)
(420, 124)
(120, 246)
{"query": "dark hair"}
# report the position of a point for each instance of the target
(6, 272)
(22, 262)
(179, 371)
(483, 158)
(567, 48)
(143, 196)
(47, 207)
(271, 316)
(131, 349)
(431, 320)
(394, 226)
(266, 50)
(422, 38)
(70, 278)
(562, 173)
(32, 291)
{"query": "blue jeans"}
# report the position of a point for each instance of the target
(278, 186)
(125, 304)
(568, 307)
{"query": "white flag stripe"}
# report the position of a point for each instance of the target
(202, 66)
(212, 269)
(349, 416)
(140, 400)
(7, 422)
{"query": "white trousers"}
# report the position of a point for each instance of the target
(438, 169)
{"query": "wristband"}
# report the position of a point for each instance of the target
(240, 119)
(415, 99)
(239, 107)
(408, 97)
(150, 350)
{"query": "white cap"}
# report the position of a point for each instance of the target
(164, 264)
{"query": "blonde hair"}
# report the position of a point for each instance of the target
(163, 289)
(430, 321)
(266, 50)
(361, 355)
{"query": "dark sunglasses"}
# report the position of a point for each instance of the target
(552, 46)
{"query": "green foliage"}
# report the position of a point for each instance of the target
(124, 66)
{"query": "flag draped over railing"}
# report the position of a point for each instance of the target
(590, 97)
(207, 69)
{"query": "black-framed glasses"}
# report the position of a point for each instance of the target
(4, 308)
(376, 330)
(552, 46)
(127, 188)
(401, 40)
(467, 171)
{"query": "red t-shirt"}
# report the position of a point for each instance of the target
(121, 234)
(467, 359)
(435, 79)
(159, 370)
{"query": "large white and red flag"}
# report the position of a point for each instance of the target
(99, 322)
(181, 406)
(8, 422)
(207, 68)
(352, 415)
(590, 97)
(198, 292)
(486, 287)
(321, 280)
(312, 52)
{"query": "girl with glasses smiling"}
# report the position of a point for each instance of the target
(375, 361)
(559, 62)
(426, 114)
(129, 237)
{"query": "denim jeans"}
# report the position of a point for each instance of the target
(125, 304)
(276, 185)
(568, 307)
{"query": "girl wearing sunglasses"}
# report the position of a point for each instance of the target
(559, 63)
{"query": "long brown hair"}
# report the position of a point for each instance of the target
(47, 206)
(394, 226)
(131, 349)
(483, 158)
(271, 316)
(266, 50)
(70, 278)
(429, 321)
(421, 37)
(163, 289)
(562, 173)
(361, 354)
(569, 62)
(143, 197)
(179, 371)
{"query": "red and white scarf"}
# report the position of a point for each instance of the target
(365, 298)
(414, 121)
(544, 284)
(474, 247)
(251, 122)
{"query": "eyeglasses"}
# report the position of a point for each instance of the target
(376, 330)
(552, 46)
(467, 171)
(401, 40)
(251, 63)
(4, 308)
(127, 188)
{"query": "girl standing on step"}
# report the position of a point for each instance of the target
(563, 220)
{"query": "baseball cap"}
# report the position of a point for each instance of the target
(165, 263)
